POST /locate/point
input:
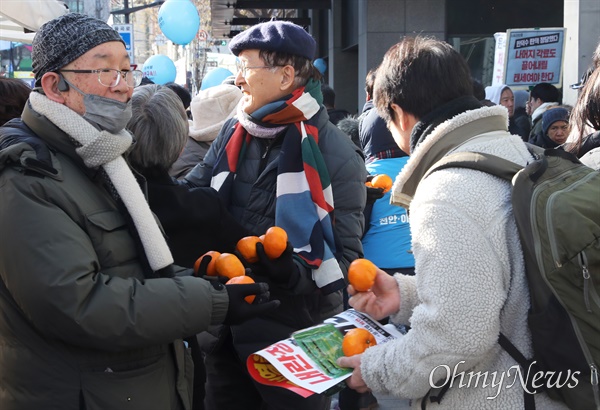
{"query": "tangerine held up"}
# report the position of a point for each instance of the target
(230, 266)
(356, 341)
(241, 280)
(211, 269)
(382, 181)
(361, 274)
(275, 242)
(247, 248)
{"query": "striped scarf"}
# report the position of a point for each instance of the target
(304, 196)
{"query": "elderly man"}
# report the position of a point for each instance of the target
(281, 162)
(93, 310)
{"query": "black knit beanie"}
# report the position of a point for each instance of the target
(64, 39)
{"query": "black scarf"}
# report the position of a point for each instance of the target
(444, 112)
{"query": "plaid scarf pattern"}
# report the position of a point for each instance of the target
(304, 196)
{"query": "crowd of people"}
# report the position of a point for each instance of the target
(111, 187)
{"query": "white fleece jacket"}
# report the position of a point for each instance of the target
(469, 284)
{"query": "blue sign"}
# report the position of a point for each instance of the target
(126, 33)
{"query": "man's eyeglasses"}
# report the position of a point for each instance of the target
(243, 69)
(109, 77)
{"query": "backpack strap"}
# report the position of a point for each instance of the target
(479, 161)
(512, 350)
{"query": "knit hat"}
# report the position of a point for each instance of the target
(211, 108)
(64, 39)
(552, 115)
(281, 36)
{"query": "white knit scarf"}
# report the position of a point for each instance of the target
(101, 148)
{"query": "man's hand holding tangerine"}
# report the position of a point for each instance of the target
(382, 300)
(280, 271)
(355, 381)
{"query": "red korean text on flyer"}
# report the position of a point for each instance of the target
(305, 362)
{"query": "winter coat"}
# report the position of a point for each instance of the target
(387, 241)
(337, 114)
(470, 277)
(82, 325)
(253, 205)
(372, 124)
(193, 153)
(520, 124)
(592, 159)
(536, 119)
(195, 220)
(589, 143)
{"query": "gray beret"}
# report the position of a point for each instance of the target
(281, 36)
(64, 39)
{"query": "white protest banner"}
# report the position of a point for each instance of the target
(534, 56)
(499, 57)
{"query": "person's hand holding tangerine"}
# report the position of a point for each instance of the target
(381, 300)
(355, 381)
(276, 259)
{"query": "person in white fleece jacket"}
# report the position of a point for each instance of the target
(470, 280)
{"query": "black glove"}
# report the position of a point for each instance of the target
(282, 271)
(239, 310)
(373, 194)
(201, 272)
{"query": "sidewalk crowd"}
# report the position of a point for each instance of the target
(112, 187)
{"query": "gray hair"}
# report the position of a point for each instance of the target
(160, 126)
(303, 67)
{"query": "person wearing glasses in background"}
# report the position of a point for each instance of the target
(93, 309)
(281, 162)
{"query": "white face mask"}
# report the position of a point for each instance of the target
(105, 113)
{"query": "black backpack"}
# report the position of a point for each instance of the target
(556, 204)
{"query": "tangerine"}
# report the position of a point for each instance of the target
(361, 274)
(211, 269)
(229, 265)
(247, 248)
(382, 181)
(275, 242)
(241, 280)
(356, 341)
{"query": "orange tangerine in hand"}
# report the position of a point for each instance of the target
(229, 265)
(361, 274)
(382, 181)
(247, 248)
(356, 341)
(241, 280)
(275, 242)
(211, 269)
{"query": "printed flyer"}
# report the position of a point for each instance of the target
(305, 363)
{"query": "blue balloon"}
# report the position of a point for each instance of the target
(215, 77)
(179, 21)
(160, 69)
(321, 65)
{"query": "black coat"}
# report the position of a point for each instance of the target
(589, 143)
(194, 219)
